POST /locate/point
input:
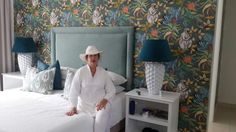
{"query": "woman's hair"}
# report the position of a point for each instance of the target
(86, 57)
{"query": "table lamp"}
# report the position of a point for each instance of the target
(24, 47)
(153, 53)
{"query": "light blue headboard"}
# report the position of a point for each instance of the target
(67, 43)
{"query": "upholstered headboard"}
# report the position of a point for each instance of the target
(67, 43)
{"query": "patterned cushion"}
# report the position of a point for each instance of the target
(41, 82)
(69, 77)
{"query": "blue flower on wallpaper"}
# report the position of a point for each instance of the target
(46, 37)
(65, 19)
(203, 45)
(167, 19)
(171, 66)
(201, 95)
(140, 37)
(208, 37)
(111, 18)
(172, 14)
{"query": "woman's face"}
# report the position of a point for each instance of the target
(92, 60)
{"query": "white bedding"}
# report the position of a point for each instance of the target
(117, 108)
(32, 112)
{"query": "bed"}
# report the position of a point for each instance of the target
(22, 111)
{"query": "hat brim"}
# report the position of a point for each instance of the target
(83, 56)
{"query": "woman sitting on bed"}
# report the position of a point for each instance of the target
(94, 88)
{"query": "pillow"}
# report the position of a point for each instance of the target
(41, 82)
(30, 74)
(69, 77)
(119, 89)
(64, 71)
(116, 78)
(41, 65)
(57, 79)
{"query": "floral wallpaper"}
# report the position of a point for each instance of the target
(188, 25)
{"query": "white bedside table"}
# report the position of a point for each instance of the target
(12, 80)
(168, 104)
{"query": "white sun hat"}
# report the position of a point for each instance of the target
(91, 50)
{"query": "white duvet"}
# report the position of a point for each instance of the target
(32, 112)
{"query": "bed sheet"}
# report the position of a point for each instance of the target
(117, 108)
(32, 112)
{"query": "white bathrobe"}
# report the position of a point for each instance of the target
(89, 90)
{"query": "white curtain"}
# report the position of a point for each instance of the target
(6, 37)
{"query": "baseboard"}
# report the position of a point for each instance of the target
(226, 105)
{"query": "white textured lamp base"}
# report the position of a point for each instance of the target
(24, 61)
(154, 73)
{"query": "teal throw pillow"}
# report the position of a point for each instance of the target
(57, 83)
(41, 65)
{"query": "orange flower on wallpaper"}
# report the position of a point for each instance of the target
(75, 11)
(154, 33)
(184, 109)
(187, 59)
(191, 6)
(125, 9)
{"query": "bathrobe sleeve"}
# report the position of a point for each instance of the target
(109, 88)
(75, 89)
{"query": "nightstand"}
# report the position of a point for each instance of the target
(153, 111)
(12, 80)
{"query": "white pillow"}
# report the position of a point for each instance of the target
(41, 82)
(64, 72)
(116, 78)
(119, 89)
(69, 77)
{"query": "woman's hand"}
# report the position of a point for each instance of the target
(72, 112)
(102, 104)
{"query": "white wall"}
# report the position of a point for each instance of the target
(227, 69)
